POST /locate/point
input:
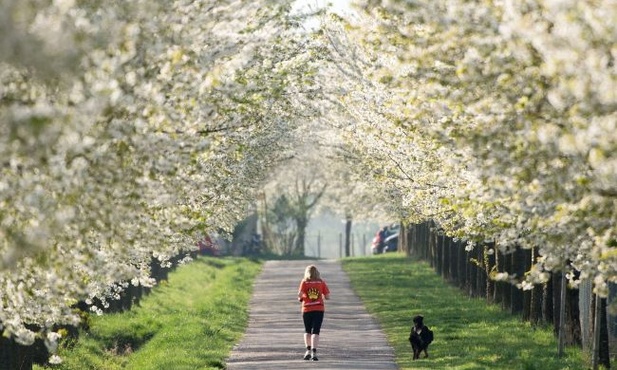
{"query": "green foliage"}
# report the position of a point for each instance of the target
(469, 334)
(283, 227)
(282, 213)
(189, 322)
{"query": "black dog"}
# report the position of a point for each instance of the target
(420, 337)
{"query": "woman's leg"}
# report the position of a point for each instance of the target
(307, 334)
(314, 341)
(317, 320)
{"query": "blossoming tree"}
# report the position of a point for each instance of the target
(127, 130)
(130, 127)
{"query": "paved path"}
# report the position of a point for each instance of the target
(350, 337)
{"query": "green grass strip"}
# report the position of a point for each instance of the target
(469, 334)
(191, 321)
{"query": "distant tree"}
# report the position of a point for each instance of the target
(282, 227)
(305, 198)
(290, 215)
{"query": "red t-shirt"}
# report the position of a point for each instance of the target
(312, 293)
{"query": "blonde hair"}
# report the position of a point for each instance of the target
(311, 273)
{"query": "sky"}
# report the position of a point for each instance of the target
(337, 5)
(340, 7)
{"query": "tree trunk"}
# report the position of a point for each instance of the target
(403, 241)
(535, 306)
(439, 254)
(562, 313)
(506, 303)
(480, 289)
(13, 356)
(604, 355)
(527, 294)
(348, 236)
(490, 260)
(517, 267)
(547, 301)
(301, 224)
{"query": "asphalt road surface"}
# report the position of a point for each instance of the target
(350, 338)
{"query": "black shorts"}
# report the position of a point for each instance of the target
(312, 321)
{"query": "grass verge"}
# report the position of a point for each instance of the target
(469, 334)
(190, 321)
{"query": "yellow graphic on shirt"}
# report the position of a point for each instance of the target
(313, 294)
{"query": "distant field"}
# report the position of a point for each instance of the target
(469, 334)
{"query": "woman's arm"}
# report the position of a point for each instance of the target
(300, 294)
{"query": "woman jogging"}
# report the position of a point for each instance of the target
(312, 292)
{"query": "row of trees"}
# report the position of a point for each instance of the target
(129, 128)
(494, 119)
(571, 312)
